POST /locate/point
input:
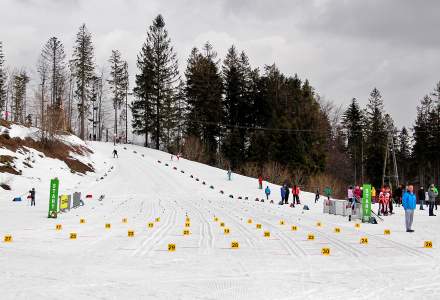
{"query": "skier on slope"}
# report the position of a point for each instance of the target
(260, 182)
(433, 193)
(317, 195)
(328, 192)
(421, 194)
(373, 195)
(286, 200)
(283, 195)
(115, 153)
(350, 194)
(32, 195)
(409, 205)
(295, 193)
(267, 192)
(390, 200)
(398, 195)
(229, 174)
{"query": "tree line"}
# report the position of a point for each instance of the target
(223, 112)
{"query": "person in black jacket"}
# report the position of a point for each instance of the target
(421, 194)
(398, 195)
(32, 194)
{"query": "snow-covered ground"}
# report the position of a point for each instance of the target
(42, 262)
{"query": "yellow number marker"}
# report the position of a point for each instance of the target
(108, 226)
(226, 231)
(215, 219)
(186, 232)
(357, 225)
(73, 236)
(267, 234)
(187, 224)
(235, 245)
(428, 244)
(294, 228)
(311, 237)
(222, 224)
(58, 227)
(188, 219)
(7, 238)
(124, 220)
(171, 247)
(337, 230)
(150, 225)
(387, 232)
(258, 226)
(249, 221)
(130, 233)
(157, 220)
(82, 221)
(364, 241)
(318, 224)
(282, 222)
(325, 251)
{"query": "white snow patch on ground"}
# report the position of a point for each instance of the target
(42, 263)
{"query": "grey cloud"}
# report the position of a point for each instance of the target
(345, 47)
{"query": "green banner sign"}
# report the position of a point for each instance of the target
(366, 202)
(53, 198)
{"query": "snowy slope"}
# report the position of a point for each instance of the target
(105, 263)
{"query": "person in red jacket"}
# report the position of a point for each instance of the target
(260, 182)
(295, 194)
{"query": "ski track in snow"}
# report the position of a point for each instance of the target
(104, 263)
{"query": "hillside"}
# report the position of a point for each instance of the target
(24, 155)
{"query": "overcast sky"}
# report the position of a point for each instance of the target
(344, 47)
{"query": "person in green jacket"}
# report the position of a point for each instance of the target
(328, 192)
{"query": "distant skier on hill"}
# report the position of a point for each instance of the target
(317, 195)
(328, 192)
(115, 153)
(267, 192)
(32, 195)
(229, 174)
(260, 182)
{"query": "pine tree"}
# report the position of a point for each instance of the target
(433, 142)
(117, 83)
(376, 138)
(352, 123)
(421, 137)
(236, 77)
(403, 154)
(2, 81)
(84, 71)
(204, 98)
(164, 76)
(141, 107)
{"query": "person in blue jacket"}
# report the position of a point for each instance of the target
(409, 205)
(283, 195)
(267, 192)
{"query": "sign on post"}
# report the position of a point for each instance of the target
(171, 247)
(428, 244)
(366, 203)
(53, 198)
(235, 245)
